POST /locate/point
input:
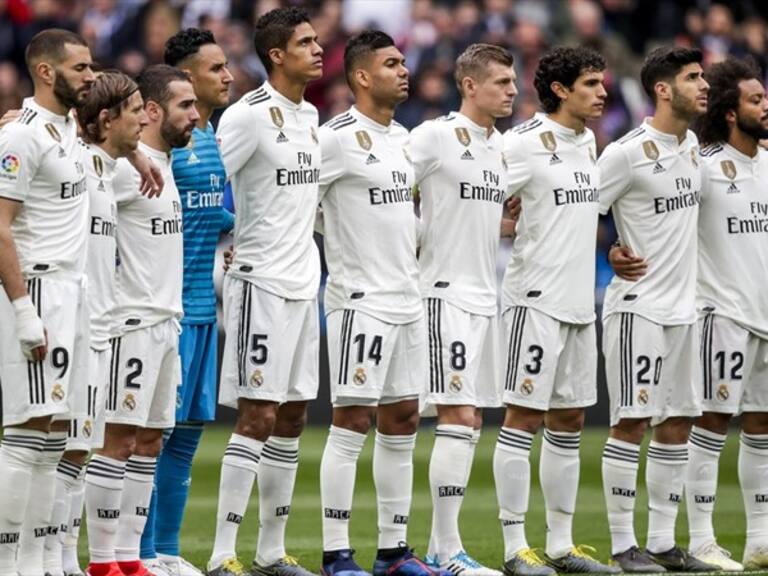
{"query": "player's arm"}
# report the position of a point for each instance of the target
(151, 178)
(238, 138)
(424, 148)
(625, 263)
(510, 216)
(332, 163)
(9, 117)
(519, 173)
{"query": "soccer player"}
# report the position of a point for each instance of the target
(549, 308)
(376, 333)
(652, 181)
(271, 153)
(199, 175)
(145, 368)
(43, 212)
(462, 179)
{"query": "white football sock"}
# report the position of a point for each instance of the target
(104, 483)
(19, 452)
(753, 470)
(449, 468)
(704, 449)
(559, 478)
(276, 478)
(620, 463)
(40, 507)
(69, 560)
(238, 472)
(134, 506)
(393, 477)
(512, 473)
(664, 478)
(338, 469)
(66, 476)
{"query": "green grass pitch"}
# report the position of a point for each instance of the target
(480, 528)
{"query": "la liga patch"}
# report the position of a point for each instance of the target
(10, 165)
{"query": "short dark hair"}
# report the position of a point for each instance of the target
(724, 95)
(362, 46)
(274, 29)
(563, 64)
(186, 43)
(110, 91)
(664, 63)
(50, 44)
(155, 82)
(473, 62)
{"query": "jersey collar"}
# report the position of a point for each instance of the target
(473, 127)
(282, 100)
(560, 130)
(158, 156)
(669, 139)
(368, 122)
(740, 156)
(45, 113)
(108, 160)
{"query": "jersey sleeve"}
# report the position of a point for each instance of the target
(615, 176)
(227, 220)
(424, 149)
(19, 160)
(332, 160)
(519, 171)
(237, 137)
(126, 183)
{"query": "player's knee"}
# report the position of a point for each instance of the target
(630, 430)
(355, 418)
(524, 419)
(754, 422)
(565, 420)
(458, 415)
(149, 442)
(673, 430)
(75, 456)
(714, 422)
(291, 426)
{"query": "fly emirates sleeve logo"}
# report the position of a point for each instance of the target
(306, 173)
(488, 191)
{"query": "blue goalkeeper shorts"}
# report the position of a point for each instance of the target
(196, 398)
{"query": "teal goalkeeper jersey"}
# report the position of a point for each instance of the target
(200, 178)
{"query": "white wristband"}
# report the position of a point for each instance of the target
(23, 303)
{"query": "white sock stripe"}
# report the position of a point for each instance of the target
(271, 453)
(565, 440)
(141, 468)
(516, 439)
(70, 469)
(30, 443)
(55, 444)
(456, 435)
(106, 465)
(111, 473)
(235, 451)
(706, 442)
(396, 442)
(666, 455)
(759, 442)
(614, 453)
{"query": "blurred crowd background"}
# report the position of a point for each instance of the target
(130, 34)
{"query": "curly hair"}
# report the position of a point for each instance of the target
(663, 64)
(186, 43)
(563, 65)
(361, 46)
(724, 95)
(274, 29)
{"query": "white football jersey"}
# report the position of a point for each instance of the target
(652, 183)
(100, 172)
(150, 247)
(271, 153)
(554, 171)
(366, 179)
(733, 237)
(41, 167)
(462, 181)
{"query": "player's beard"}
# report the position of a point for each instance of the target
(65, 93)
(175, 137)
(753, 128)
(683, 107)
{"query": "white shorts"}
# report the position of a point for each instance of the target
(550, 364)
(467, 345)
(50, 387)
(272, 347)
(734, 367)
(652, 370)
(98, 385)
(373, 362)
(144, 373)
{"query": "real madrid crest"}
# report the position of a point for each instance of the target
(650, 149)
(548, 139)
(728, 168)
(277, 116)
(57, 392)
(360, 377)
(642, 397)
(527, 387)
(463, 135)
(455, 384)
(722, 392)
(129, 402)
(364, 139)
(257, 379)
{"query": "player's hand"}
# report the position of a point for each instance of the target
(229, 257)
(513, 207)
(9, 117)
(29, 329)
(151, 179)
(508, 228)
(626, 264)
